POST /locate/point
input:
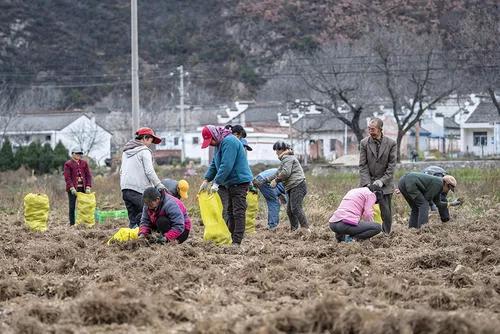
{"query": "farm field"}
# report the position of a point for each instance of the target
(444, 278)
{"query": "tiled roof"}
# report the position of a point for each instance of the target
(485, 112)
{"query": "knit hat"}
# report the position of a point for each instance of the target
(150, 194)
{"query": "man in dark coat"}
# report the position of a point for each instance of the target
(419, 189)
(377, 162)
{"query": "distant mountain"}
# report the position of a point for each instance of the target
(83, 47)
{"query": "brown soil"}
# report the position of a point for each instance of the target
(442, 279)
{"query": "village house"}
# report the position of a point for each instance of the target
(72, 129)
(480, 133)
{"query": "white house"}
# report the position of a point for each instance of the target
(480, 133)
(72, 129)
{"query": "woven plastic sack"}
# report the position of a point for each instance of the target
(377, 216)
(211, 214)
(251, 213)
(36, 211)
(124, 234)
(85, 205)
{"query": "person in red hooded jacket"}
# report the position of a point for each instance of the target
(78, 179)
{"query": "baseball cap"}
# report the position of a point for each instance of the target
(207, 137)
(76, 150)
(150, 194)
(245, 144)
(450, 181)
(149, 132)
(183, 188)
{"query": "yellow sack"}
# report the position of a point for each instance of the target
(124, 234)
(36, 211)
(251, 214)
(85, 205)
(377, 217)
(211, 214)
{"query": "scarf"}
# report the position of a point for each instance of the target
(218, 133)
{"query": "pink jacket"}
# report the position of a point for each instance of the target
(356, 204)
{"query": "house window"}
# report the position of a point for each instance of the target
(27, 138)
(176, 141)
(333, 145)
(196, 140)
(163, 141)
(48, 137)
(480, 138)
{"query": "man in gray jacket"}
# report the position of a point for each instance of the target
(377, 162)
(137, 173)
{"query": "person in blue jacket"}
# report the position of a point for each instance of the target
(274, 197)
(230, 176)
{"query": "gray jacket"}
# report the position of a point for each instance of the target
(137, 172)
(290, 172)
(381, 167)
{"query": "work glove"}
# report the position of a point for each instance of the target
(160, 187)
(204, 186)
(378, 183)
(214, 188)
(252, 189)
(456, 202)
(273, 183)
(72, 190)
(87, 190)
(161, 240)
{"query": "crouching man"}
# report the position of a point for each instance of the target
(165, 214)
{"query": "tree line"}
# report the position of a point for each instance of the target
(40, 158)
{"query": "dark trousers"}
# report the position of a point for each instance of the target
(234, 206)
(386, 212)
(164, 225)
(134, 204)
(294, 208)
(362, 231)
(72, 206)
(419, 207)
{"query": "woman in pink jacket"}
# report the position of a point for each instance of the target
(354, 216)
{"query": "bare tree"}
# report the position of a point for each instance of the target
(413, 75)
(88, 137)
(334, 78)
(477, 44)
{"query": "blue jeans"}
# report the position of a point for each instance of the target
(273, 204)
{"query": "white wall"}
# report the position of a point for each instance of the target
(84, 132)
(262, 145)
(467, 139)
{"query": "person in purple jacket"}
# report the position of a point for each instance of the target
(353, 219)
(166, 214)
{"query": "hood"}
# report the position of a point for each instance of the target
(133, 147)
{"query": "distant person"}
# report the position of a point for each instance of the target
(237, 130)
(414, 155)
(354, 216)
(78, 179)
(230, 176)
(178, 189)
(419, 189)
(190, 170)
(274, 196)
(137, 172)
(290, 172)
(165, 214)
(377, 162)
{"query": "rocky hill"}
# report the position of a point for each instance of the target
(83, 47)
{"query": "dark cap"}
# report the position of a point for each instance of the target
(150, 194)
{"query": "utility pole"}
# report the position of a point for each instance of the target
(181, 91)
(135, 67)
(345, 139)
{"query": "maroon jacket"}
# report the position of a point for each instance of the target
(71, 173)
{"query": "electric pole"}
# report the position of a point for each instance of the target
(135, 67)
(181, 91)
